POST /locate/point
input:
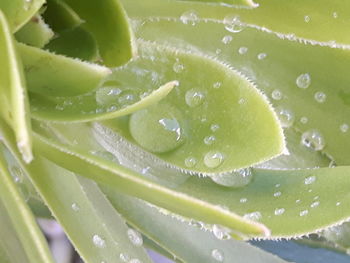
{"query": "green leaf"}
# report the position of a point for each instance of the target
(69, 43)
(111, 30)
(19, 12)
(215, 121)
(96, 230)
(13, 94)
(186, 241)
(35, 32)
(310, 95)
(29, 233)
(296, 20)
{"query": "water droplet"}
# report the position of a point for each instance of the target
(320, 97)
(213, 159)
(338, 204)
(233, 24)
(98, 241)
(277, 194)
(335, 15)
(238, 178)
(190, 162)
(243, 200)
(297, 201)
(307, 19)
(276, 94)
(313, 139)
(277, 185)
(209, 140)
(194, 98)
(124, 257)
(218, 255)
(75, 207)
(178, 67)
(189, 18)
(108, 93)
(227, 39)
(304, 120)
(304, 212)
(315, 204)
(217, 85)
(17, 174)
(344, 127)
(285, 116)
(242, 50)
(221, 232)
(262, 56)
(218, 51)
(279, 211)
(303, 81)
(135, 237)
(214, 127)
(254, 216)
(310, 179)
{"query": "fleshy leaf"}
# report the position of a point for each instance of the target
(13, 93)
(19, 12)
(187, 242)
(111, 30)
(23, 220)
(215, 121)
(35, 32)
(310, 96)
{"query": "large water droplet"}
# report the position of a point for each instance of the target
(233, 24)
(158, 129)
(189, 18)
(194, 98)
(135, 237)
(218, 255)
(98, 241)
(303, 81)
(313, 139)
(238, 178)
(213, 159)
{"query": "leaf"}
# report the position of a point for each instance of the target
(319, 105)
(61, 16)
(69, 42)
(215, 121)
(19, 12)
(187, 243)
(35, 32)
(91, 223)
(13, 95)
(29, 233)
(296, 20)
(111, 30)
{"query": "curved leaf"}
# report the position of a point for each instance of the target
(13, 93)
(111, 30)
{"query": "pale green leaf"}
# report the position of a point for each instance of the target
(111, 30)
(13, 93)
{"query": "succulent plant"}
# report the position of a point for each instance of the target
(185, 127)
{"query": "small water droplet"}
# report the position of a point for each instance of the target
(108, 93)
(262, 56)
(254, 216)
(209, 140)
(297, 201)
(75, 207)
(320, 97)
(304, 120)
(194, 98)
(214, 127)
(218, 51)
(315, 204)
(233, 24)
(277, 194)
(98, 241)
(313, 139)
(238, 178)
(227, 39)
(285, 116)
(189, 18)
(276, 94)
(310, 180)
(124, 257)
(178, 67)
(338, 204)
(218, 255)
(304, 212)
(213, 159)
(135, 237)
(307, 19)
(217, 85)
(344, 127)
(17, 174)
(277, 185)
(303, 81)
(190, 162)
(221, 232)
(279, 211)
(242, 50)
(335, 15)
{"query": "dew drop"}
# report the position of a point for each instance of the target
(277, 194)
(307, 19)
(276, 94)
(227, 39)
(304, 120)
(304, 212)
(98, 241)
(190, 162)
(217, 85)
(254, 216)
(315, 204)
(233, 24)
(124, 257)
(262, 56)
(189, 18)
(335, 15)
(213, 159)
(338, 204)
(310, 180)
(279, 211)
(75, 207)
(135, 237)
(218, 51)
(320, 97)
(285, 116)
(214, 127)
(194, 98)
(313, 139)
(242, 50)
(344, 127)
(209, 140)
(108, 93)
(178, 67)
(297, 201)
(221, 232)
(218, 255)
(303, 81)
(238, 178)
(17, 174)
